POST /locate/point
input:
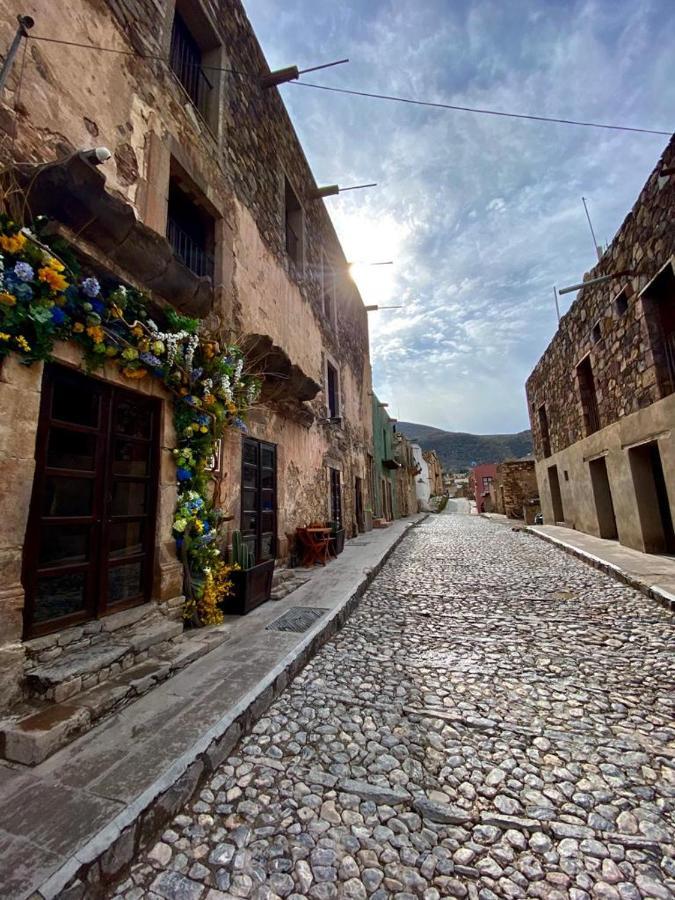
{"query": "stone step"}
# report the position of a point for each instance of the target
(42, 728)
(82, 668)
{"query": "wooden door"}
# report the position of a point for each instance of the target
(259, 498)
(90, 537)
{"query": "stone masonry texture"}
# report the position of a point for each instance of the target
(624, 347)
(511, 737)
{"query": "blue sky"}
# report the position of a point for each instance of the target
(481, 215)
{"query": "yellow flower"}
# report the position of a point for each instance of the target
(12, 243)
(95, 332)
(4, 336)
(231, 407)
(54, 279)
(78, 327)
(111, 351)
(209, 399)
(115, 311)
(134, 373)
(204, 429)
(137, 330)
(7, 299)
(23, 343)
(55, 264)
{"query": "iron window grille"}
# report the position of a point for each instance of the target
(186, 62)
(190, 233)
(333, 396)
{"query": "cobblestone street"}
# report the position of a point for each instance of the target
(495, 720)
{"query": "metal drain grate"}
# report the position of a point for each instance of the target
(297, 619)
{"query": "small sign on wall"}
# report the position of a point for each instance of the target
(213, 464)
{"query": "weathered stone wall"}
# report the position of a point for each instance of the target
(435, 472)
(67, 98)
(74, 98)
(406, 495)
(515, 484)
(625, 360)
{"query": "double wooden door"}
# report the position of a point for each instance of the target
(90, 539)
(259, 498)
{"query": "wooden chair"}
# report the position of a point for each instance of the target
(314, 547)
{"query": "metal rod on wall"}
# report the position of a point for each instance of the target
(25, 22)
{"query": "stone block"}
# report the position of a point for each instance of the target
(12, 657)
(67, 689)
(115, 860)
(35, 737)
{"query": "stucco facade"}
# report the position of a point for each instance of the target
(601, 397)
(282, 290)
(481, 479)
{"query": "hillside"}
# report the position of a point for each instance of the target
(458, 451)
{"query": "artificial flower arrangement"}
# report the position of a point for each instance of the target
(44, 298)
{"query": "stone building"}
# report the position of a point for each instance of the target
(514, 488)
(435, 468)
(405, 475)
(602, 397)
(209, 205)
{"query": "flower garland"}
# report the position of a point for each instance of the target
(43, 300)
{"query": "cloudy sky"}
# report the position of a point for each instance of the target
(481, 215)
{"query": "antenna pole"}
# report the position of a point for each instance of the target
(25, 22)
(590, 225)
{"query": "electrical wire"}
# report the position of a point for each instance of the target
(484, 112)
(368, 94)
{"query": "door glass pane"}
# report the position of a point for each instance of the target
(63, 544)
(248, 522)
(250, 476)
(130, 458)
(267, 501)
(126, 538)
(266, 546)
(59, 596)
(250, 453)
(129, 498)
(267, 522)
(267, 457)
(133, 419)
(125, 582)
(67, 496)
(249, 500)
(76, 401)
(267, 478)
(71, 450)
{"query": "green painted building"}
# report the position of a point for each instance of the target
(384, 465)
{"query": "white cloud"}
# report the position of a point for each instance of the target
(481, 215)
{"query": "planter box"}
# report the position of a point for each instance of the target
(337, 542)
(252, 587)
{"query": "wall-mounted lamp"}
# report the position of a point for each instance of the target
(600, 280)
(330, 190)
(292, 73)
(375, 307)
(97, 156)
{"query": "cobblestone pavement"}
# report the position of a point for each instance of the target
(496, 720)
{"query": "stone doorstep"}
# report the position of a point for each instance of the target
(38, 734)
(68, 675)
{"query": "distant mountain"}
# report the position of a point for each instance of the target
(458, 451)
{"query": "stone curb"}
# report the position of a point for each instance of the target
(663, 598)
(105, 856)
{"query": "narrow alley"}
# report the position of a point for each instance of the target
(495, 720)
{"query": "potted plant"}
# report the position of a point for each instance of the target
(337, 538)
(252, 584)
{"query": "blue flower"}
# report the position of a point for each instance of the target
(24, 271)
(183, 474)
(197, 373)
(91, 287)
(58, 316)
(179, 543)
(190, 400)
(241, 425)
(203, 420)
(206, 527)
(72, 293)
(11, 280)
(98, 307)
(151, 360)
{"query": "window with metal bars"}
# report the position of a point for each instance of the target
(589, 400)
(186, 62)
(190, 231)
(294, 225)
(335, 498)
